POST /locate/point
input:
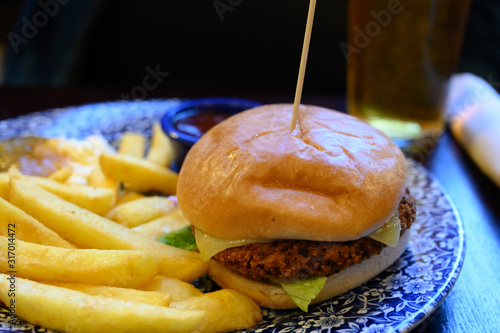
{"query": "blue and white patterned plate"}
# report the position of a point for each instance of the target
(394, 301)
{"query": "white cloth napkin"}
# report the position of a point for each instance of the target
(473, 110)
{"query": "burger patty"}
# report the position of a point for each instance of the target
(302, 259)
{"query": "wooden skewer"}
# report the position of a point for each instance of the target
(303, 62)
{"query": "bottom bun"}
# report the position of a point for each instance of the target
(274, 296)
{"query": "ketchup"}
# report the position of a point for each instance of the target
(196, 123)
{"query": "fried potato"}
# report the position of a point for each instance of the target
(119, 268)
(162, 225)
(27, 228)
(132, 144)
(88, 230)
(226, 310)
(97, 200)
(98, 179)
(4, 185)
(140, 211)
(161, 151)
(61, 175)
(124, 294)
(177, 289)
(139, 174)
(128, 196)
(67, 310)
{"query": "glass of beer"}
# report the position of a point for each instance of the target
(400, 55)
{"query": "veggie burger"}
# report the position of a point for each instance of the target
(291, 218)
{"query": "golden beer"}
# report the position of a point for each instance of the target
(400, 56)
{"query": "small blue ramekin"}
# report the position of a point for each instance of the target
(181, 141)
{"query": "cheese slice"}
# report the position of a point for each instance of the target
(389, 232)
(209, 245)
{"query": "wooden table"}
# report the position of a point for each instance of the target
(473, 304)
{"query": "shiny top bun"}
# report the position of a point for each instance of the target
(334, 178)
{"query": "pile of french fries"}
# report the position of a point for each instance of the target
(86, 258)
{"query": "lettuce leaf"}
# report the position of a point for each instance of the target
(182, 238)
(302, 292)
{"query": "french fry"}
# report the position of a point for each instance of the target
(161, 151)
(4, 185)
(139, 174)
(61, 175)
(88, 230)
(132, 144)
(177, 289)
(226, 310)
(124, 294)
(97, 200)
(162, 225)
(118, 268)
(79, 178)
(140, 211)
(26, 228)
(67, 310)
(98, 179)
(128, 196)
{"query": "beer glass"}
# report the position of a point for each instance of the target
(400, 55)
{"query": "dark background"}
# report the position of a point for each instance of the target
(97, 50)
(256, 47)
